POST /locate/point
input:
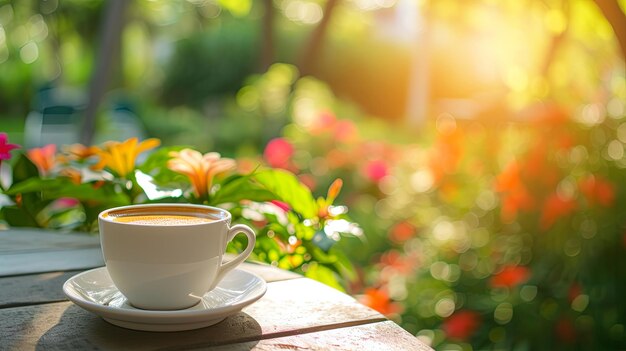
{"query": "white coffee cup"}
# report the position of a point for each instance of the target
(161, 260)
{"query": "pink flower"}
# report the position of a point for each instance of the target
(345, 131)
(376, 170)
(5, 147)
(278, 153)
(324, 122)
(280, 204)
(66, 202)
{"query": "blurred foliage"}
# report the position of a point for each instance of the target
(210, 64)
(504, 235)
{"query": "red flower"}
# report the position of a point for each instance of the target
(375, 170)
(5, 147)
(378, 299)
(510, 276)
(43, 157)
(462, 324)
(574, 291)
(278, 153)
(554, 208)
(598, 190)
(565, 330)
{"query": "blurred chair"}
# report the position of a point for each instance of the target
(52, 125)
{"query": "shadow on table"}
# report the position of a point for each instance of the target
(81, 330)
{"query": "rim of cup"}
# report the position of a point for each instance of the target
(224, 217)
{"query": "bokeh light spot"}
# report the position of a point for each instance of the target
(422, 180)
(503, 313)
(29, 53)
(580, 303)
(444, 307)
(528, 292)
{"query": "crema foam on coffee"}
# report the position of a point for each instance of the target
(162, 219)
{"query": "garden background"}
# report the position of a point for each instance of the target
(456, 165)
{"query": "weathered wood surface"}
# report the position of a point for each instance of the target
(289, 307)
(50, 261)
(30, 240)
(296, 313)
(382, 336)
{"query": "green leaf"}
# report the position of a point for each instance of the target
(343, 264)
(31, 185)
(87, 192)
(287, 188)
(17, 217)
(24, 169)
(237, 188)
(324, 275)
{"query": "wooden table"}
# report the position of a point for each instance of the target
(296, 313)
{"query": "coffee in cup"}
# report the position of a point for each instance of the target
(167, 256)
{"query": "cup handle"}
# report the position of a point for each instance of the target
(228, 266)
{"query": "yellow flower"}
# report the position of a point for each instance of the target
(120, 157)
(200, 169)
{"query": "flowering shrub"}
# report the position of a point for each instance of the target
(505, 235)
(66, 190)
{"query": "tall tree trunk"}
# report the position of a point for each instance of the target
(312, 50)
(267, 33)
(617, 19)
(108, 56)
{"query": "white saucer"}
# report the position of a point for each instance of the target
(94, 291)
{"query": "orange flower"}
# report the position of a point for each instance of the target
(554, 208)
(446, 153)
(598, 190)
(200, 169)
(510, 276)
(78, 152)
(43, 157)
(74, 175)
(378, 299)
(395, 262)
(120, 157)
(331, 195)
(402, 232)
(333, 190)
(515, 195)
